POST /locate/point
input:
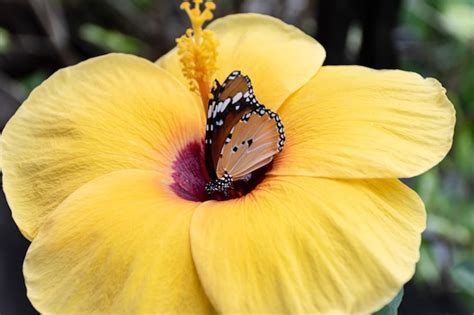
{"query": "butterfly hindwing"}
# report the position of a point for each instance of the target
(251, 143)
(229, 103)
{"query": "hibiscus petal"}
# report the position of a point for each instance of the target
(118, 245)
(308, 245)
(356, 122)
(105, 114)
(279, 58)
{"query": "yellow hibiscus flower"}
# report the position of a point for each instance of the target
(102, 168)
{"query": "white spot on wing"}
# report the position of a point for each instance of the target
(226, 102)
(210, 110)
(236, 97)
(214, 113)
(219, 107)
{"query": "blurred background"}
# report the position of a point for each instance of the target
(432, 37)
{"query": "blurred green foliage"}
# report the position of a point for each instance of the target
(142, 4)
(4, 40)
(32, 80)
(110, 40)
(444, 33)
(392, 307)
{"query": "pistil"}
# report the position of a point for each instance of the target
(197, 49)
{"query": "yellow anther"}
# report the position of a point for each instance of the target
(197, 48)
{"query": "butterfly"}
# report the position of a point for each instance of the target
(241, 134)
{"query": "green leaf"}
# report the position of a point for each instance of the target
(463, 276)
(427, 270)
(392, 307)
(143, 4)
(448, 230)
(33, 80)
(109, 40)
(458, 21)
(464, 147)
(4, 40)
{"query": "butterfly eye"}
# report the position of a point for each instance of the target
(242, 135)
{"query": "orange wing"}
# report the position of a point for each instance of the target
(251, 144)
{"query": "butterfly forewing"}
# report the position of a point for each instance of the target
(229, 103)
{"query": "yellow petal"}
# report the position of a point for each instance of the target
(351, 121)
(108, 113)
(308, 245)
(118, 245)
(279, 58)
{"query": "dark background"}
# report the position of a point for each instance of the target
(432, 37)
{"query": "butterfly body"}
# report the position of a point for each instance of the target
(241, 134)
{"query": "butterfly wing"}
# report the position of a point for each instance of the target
(251, 143)
(229, 103)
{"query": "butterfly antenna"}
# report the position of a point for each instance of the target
(217, 84)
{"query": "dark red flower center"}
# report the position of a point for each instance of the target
(190, 177)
